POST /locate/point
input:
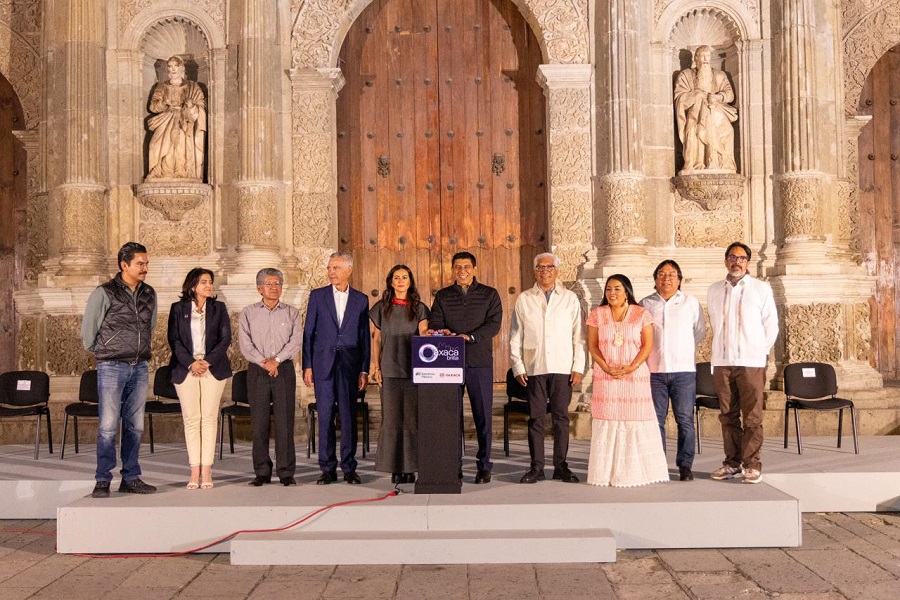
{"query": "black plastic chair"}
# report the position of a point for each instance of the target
(27, 394)
(240, 407)
(813, 386)
(162, 388)
(516, 402)
(706, 396)
(87, 407)
(361, 406)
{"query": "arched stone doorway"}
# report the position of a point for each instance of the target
(12, 219)
(441, 146)
(879, 203)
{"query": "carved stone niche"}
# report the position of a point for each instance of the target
(172, 199)
(710, 190)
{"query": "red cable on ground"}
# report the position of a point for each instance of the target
(222, 539)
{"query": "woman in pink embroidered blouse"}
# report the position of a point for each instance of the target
(625, 449)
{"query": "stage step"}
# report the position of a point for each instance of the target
(424, 547)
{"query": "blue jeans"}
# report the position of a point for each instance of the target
(682, 389)
(123, 394)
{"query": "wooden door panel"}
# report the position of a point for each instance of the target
(438, 88)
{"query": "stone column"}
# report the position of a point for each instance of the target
(619, 157)
(800, 183)
(314, 204)
(259, 191)
(77, 139)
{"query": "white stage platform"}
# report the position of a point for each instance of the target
(499, 522)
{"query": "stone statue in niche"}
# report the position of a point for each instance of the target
(704, 113)
(178, 125)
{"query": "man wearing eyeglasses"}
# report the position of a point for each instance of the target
(270, 336)
(471, 310)
(678, 327)
(546, 353)
(745, 324)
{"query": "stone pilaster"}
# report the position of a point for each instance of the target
(314, 204)
(259, 189)
(800, 183)
(76, 121)
(620, 181)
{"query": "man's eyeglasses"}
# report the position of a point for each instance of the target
(272, 285)
(667, 276)
(737, 259)
(544, 268)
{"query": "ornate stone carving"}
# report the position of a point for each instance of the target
(238, 362)
(711, 190)
(623, 196)
(860, 315)
(20, 60)
(38, 226)
(870, 28)
(659, 6)
(28, 343)
(190, 235)
(571, 257)
(82, 209)
(311, 263)
(562, 29)
(848, 216)
(128, 9)
(258, 214)
(570, 157)
(801, 200)
(64, 354)
(706, 230)
(312, 220)
(813, 332)
(704, 348)
(159, 344)
(172, 199)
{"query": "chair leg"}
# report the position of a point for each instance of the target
(697, 429)
(49, 432)
(505, 431)
(231, 433)
(853, 429)
(221, 434)
(150, 417)
(797, 428)
(787, 416)
(840, 426)
(75, 422)
(62, 452)
(37, 436)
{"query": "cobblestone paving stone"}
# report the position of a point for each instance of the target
(853, 556)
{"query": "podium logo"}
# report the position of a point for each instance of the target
(430, 353)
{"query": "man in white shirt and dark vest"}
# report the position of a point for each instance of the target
(546, 353)
(745, 324)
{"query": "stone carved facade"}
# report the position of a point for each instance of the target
(188, 236)
(129, 9)
(81, 205)
(699, 228)
(870, 28)
(802, 197)
(752, 6)
(623, 197)
(63, 350)
(20, 57)
(813, 333)
(258, 214)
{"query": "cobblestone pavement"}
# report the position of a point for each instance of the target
(852, 555)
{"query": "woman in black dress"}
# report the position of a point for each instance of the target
(396, 318)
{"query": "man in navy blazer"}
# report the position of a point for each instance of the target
(336, 346)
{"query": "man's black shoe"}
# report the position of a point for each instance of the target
(409, 478)
(325, 478)
(136, 486)
(565, 475)
(398, 477)
(532, 476)
(101, 490)
(483, 476)
(286, 481)
(352, 478)
(261, 480)
(684, 474)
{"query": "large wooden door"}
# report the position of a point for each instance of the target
(441, 147)
(12, 221)
(879, 183)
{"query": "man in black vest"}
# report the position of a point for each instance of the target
(472, 311)
(118, 323)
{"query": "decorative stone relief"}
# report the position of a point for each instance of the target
(63, 350)
(623, 196)
(81, 207)
(172, 199)
(860, 315)
(28, 343)
(159, 344)
(128, 9)
(570, 157)
(812, 332)
(752, 6)
(870, 28)
(238, 362)
(848, 216)
(257, 214)
(699, 228)
(312, 220)
(189, 236)
(710, 190)
(562, 28)
(801, 199)
(704, 348)
(38, 226)
(20, 60)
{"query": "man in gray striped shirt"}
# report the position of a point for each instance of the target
(270, 335)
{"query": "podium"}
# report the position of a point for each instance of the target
(438, 363)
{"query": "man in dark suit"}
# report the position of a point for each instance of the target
(336, 345)
(472, 311)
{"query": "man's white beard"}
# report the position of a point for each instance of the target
(705, 79)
